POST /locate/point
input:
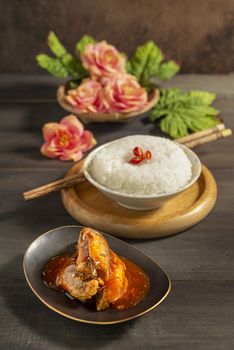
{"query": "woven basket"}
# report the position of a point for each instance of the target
(105, 117)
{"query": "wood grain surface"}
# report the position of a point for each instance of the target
(198, 314)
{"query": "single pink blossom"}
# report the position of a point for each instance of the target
(66, 140)
(103, 60)
(123, 94)
(87, 97)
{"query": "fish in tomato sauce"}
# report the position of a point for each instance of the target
(95, 273)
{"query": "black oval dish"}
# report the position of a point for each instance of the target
(62, 240)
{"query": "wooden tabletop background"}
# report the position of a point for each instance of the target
(199, 312)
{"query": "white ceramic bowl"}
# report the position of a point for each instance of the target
(147, 202)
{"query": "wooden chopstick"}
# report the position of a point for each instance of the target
(200, 134)
(192, 140)
(205, 138)
(58, 185)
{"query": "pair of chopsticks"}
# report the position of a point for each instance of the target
(192, 140)
(205, 136)
(67, 182)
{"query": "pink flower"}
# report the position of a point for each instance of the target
(66, 140)
(87, 97)
(124, 94)
(103, 60)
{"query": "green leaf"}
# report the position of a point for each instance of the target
(145, 61)
(167, 70)
(201, 123)
(52, 65)
(182, 113)
(55, 45)
(206, 97)
(74, 67)
(84, 41)
(64, 64)
(174, 126)
(72, 64)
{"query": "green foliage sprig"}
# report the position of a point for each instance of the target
(183, 112)
(64, 64)
(147, 63)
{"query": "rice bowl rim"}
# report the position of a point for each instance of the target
(188, 152)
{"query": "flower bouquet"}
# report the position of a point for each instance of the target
(104, 85)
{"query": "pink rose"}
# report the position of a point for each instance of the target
(66, 140)
(103, 60)
(124, 94)
(87, 97)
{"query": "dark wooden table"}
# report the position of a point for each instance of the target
(199, 312)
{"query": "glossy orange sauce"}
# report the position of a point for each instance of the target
(138, 281)
(138, 286)
(53, 267)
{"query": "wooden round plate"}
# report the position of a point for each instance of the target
(93, 209)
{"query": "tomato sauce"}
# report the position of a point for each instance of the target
(138, 286)
(53, 268)
(138, 281)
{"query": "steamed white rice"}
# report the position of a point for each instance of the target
(168, 171)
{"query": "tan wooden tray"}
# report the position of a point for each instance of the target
(93, 209)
